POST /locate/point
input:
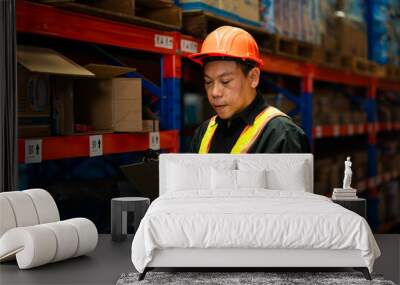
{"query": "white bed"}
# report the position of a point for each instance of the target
(258, 210)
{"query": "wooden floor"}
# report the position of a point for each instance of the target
(110, 259)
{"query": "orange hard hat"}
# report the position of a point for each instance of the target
(231, 42)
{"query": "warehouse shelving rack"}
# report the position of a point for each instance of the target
(173, 46)
(52, 22)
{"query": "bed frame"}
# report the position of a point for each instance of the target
(242, 259)
(250, 258)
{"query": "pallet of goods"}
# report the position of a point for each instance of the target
(158, 14)
(294, 49)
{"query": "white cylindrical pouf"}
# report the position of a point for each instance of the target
(23, 207)
(34, 246)
(67, 239)
(45, 205)
(87, 235)
(7, 218)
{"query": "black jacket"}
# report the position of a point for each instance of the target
(280, 135)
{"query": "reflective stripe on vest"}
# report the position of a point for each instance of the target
(249, 134)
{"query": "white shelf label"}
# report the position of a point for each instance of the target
(376, 127)
(372, 182)
(360, 129)
(189, 46)
(154, 140)
(162, 41)
(370, 128)
(318, 131)
(33, 151)
(350, 130)
(336, 130)
(96, 145)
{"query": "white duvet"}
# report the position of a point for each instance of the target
(252, 218)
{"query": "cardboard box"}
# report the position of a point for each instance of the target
(109, 103)
(150, 125)
(212, 3)
(103, 101)
(351, 38)
(35, 131)
(248, 9)
(121, 6)
(33, 103)
(32, 127)
(63, 106)
(228, 6)
(38, 71)
(33, 93)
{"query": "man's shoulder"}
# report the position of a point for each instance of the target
(284, 123)
(197, 137)
(202, 127)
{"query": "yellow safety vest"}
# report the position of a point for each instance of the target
(249, 134)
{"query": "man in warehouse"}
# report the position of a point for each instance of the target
(244, 122)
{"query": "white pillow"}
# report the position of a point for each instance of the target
(183, 177)
(223, 179)
(251, 178)
(281, 174)
(293, 180)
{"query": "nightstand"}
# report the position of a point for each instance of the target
(358, 206)
(119, 208)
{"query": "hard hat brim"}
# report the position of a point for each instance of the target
(199, 57)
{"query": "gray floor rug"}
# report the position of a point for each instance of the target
(230, 278)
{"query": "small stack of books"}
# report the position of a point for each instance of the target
(344, 194)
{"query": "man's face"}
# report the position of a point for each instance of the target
(229, 91)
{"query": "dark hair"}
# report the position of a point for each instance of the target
(244, 65)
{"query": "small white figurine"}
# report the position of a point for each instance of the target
(347, 174)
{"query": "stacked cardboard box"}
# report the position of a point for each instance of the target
(327, 99)
(388, 157)
(122, 6)
(299, 20)
(33, 103)
(352, 38)
(345, 37)
(384, 27)
(388, 110)
(159, 12)
(109, 103)
(37, 70)
(246, 11)
(343, 27)
(92, 96)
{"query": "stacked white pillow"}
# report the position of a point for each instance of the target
(282, 175)
(232, 175)
(237, 179)
(194, 176)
